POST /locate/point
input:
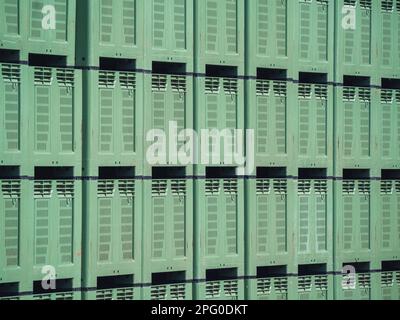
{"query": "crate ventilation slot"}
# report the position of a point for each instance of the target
(65, 189)
(11, 189)
(11, 73)
(304, 91)
(125, 294)
(387, 5)
(213, 289)
(364, 187)
(230, 86)
(231, 288)
(305, 283)
(178, 84)
(321, 186)
(364, 280)
(386, 96)
(386, 187)
(159, 82)
(387, 279)
(280, 186)
(158, 293)
(178, 187)
(349, 187)
(43, 76)
(262, 87)
(42, 189)
(105, 188)
(127, 80)
(264, 286)
(349, 93)
(106, 79)
(65, 77)
(230, 186)
(212, 85)
(321, 283)
(263, 186)
(304, 186)
(159, 187)
(177, 292)
(212, 187)
(321, 92)
(279, 88)
(126, 188)
(281, 285)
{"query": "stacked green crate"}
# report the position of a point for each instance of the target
(13, 110)
(356, 199)
(111, 38)
(168, 235)
(54, 246)
(219, 32)
(112, 234)
(219, 235)
(314, 234)
(170, 29)
(314, 36)
(51, 27)
(357, 123)
(14, 217)
(269, 234)
(12, 25)
(55, 119)
(388, 234)
(269, 35)
(357, 30)
(389, 38)
(389, 124)
(313, 135)
(168, 188)
(107, 28)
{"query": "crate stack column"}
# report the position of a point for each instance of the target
(111, 53)
(167, 243)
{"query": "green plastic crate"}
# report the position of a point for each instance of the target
(219, 32)
(315, 287)
(59, 41)
(168, 238)
(112, 236)
(314, 36)
(113, 116)
(109, 29)
(357, 125)
(389, 128)
(170, 27)
(389, 38)
(357, 46)
(269, 207)
(269, 34)
(355, 223)
(313, 116)
(15, 231)
(314, 221)
(389, 219)
(219, 237)
(271, 120)
(169, 98)
(13, 113)
(12, 24)
(55, 126)
(219, 105)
